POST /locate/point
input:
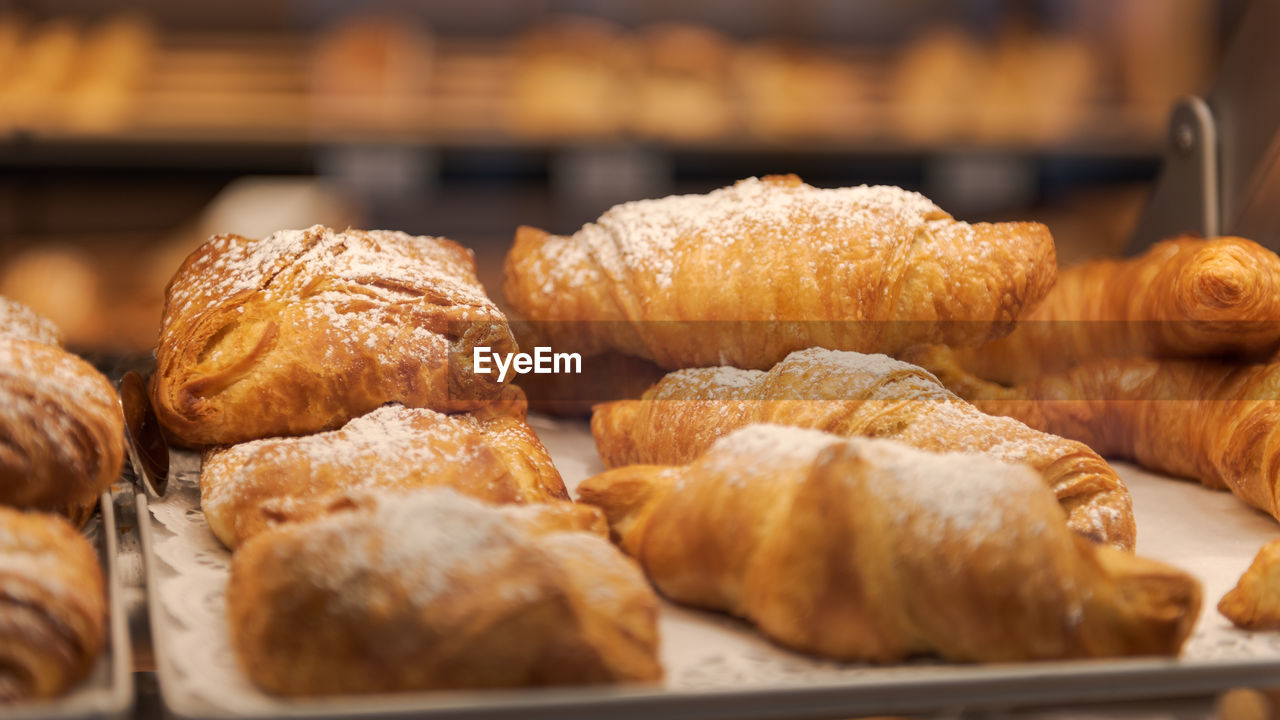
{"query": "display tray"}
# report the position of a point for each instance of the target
(108, 690)
(716, 666)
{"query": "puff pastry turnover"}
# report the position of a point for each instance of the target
(253, 486)
(52, 606)
(864, 549)
(851, 394)
(432, 589)
(746, 274)
(304, 330)
(61, 430)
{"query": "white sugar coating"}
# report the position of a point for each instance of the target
(963, 491)
(324, 267)
(643, 235)
(426, 541)
(57, 379)
(764, 442)
(411, 438)
(20, 321)
(849, 361)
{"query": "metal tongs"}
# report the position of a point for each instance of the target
(144, 441)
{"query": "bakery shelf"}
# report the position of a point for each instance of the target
(717, 667)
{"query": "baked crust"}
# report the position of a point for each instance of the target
(304, 330)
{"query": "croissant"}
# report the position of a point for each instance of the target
(746, 274)
(432, 589)
(250, 487)
(1215, 422)
(61, 430)
(850, 394)
(1183, 298)
(304, 330)
(52, 606)
(861, 549)
(1254, 602)
(18, 320)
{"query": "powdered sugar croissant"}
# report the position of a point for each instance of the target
(306, 329)
(871, 550)
(851, 394)
(746, 274)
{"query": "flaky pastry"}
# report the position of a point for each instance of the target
(432, 589)
(855, 395)
(253, 486)
(746, 274)
(863, 549)
(306, 329)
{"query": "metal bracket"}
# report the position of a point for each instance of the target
(1187, 195)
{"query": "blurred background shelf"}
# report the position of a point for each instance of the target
(127, 137)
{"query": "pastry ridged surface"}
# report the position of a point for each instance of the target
(868, 549)
(851, 394)
(746, 274)
(252, 486)
(52, 606)
(306, 329)
(432, 589)
(61, 430)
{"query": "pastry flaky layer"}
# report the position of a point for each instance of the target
(868, 549)
(432, 589)
(304, 330)
(851, 394)
(52, 606)
(248, 488)
(1213, 421)
(746, 274)
(1183, 298)
(61, 430)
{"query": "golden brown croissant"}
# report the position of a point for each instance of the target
(52, 606)
(250, 487)
(1254, 603)
(864, 549)
(61, 430)
(432, 589)
(746, 274)
(304, 330)
(1183, 298)
(18, 320)
(1216, 422)
(850, 394)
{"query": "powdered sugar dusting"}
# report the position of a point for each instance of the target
(772, 444)
(650, 237)
(957, 492)
(430, 542)
(412, 439)
(331, 272)
(55, 379)
(20, 321)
